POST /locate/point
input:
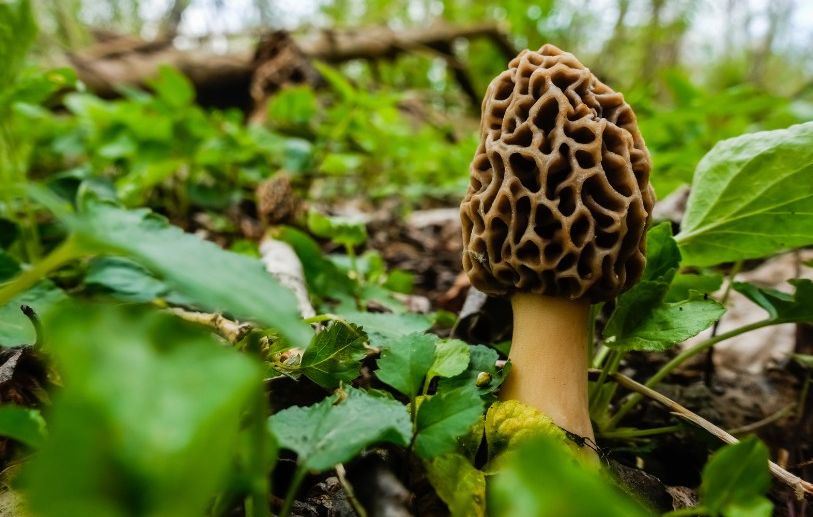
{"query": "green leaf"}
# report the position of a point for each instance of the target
(323, 277)
(684, 283)
(668, 324)
(23, 424)
(334, 355)
(326, 434)
(782, 307)
(541, 478)
(217, 280)
(124, 278)
(641, 319)
(736, 479)
(165, 400)
(15, 327)
(482, 367)
(461, 486)
(804, 360)
(443, 418)
(8, 266)
(17, 32)
(751, 198)
(341, 230)
(451, 358)
(172, 87)
(405, 362)
(292, 106)
(381, 327)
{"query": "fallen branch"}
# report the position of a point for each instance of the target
(799, 485)
(225, 79)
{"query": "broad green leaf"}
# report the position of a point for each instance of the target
(341, 230)
(668, 324)
(215, 279)
(642, 319)
(751, 197)
(329, 433)
(15, 328)
(541, 478)
(782, 307)
(510, 422)
(381, 327)
(461, 486)
(334, 355)
(684, 283)
(405, 362)
(451, 358)
(172, 87)
(736, 479)
(165, 400)
(23, 424)
(481, 372)
(445, 417)
(124, 278)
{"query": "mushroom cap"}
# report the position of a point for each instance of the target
(559, 198)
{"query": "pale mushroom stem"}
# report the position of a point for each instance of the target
(549, 360)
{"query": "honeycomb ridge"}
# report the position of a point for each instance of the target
(559, 197)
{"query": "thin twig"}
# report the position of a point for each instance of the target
(799, 485)
(348, 491)
(232, 331)
(753, 426)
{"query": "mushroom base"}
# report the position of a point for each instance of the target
(549, 360)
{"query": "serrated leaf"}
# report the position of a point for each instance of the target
(751, 198)
(443, 418)
(217, 280)
(510, 422)
(334, 355)
(405, 362)
(482, 364)
(461, 486)
(668, 324)
(451, 358)
(381, 327)
(326, 434)
(166, 402)
(15, 328)
(782, 307)
(23, 424)
(736, 479)
(542, 479)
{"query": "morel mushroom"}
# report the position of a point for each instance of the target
(555, 217)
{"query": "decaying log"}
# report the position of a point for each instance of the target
(243, 79)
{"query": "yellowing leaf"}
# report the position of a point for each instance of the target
(510, 422)
(461, 486)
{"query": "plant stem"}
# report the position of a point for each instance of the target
(257, 500)
(680, 359)
(623, 434)
(64, 253)
(299, 476)
(610, 367)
